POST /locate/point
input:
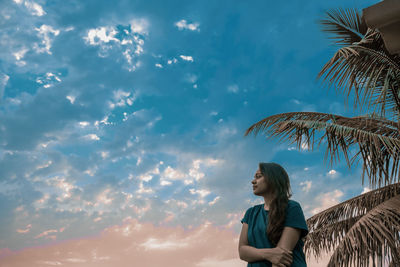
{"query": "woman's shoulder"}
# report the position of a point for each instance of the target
(256, 207)
(293, 203)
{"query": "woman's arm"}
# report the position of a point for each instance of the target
(289, 238)
(252, 254)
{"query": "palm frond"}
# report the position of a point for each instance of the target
(378, 139)
(326, 238)
(330, 226)
(372, 74)
(376, 235)
(344, 25)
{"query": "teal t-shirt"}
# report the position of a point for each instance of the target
(257, 219)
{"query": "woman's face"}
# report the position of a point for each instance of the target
(259, 183)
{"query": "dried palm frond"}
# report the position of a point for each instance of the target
(373, 75)
(330, 226)
(345, 25)
(393, 263)
(378, 139)
(375, 236)
(325, 238)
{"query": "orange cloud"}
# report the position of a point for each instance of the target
(140, 244)
(137, 244)
(24, 231)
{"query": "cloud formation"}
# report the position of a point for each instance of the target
(184, 25)
(141, 243)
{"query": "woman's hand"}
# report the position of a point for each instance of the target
(280, 257)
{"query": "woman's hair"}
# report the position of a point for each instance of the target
(278, 185)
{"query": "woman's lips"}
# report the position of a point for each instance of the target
(254, 187)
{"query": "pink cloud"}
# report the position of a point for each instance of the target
(139, 244)
(26, 230)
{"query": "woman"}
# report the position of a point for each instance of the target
(272, 232)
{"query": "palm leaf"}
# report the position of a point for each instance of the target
(375, 236)
(329, 227)
(373, 75)
(344, 25)
(378, 139)
(324, 239)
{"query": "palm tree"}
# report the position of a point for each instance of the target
(365, 228)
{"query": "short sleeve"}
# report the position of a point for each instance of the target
(246, 216)
(295, 218)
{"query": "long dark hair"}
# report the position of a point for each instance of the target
(278, 185)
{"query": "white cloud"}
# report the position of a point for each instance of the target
(303, 147)
(3, 82)
(101, 35)
(201, 192)
(183, 25)
(48, 79)
(63, 186)
(214, 200)
(165, 183)
(147, 176)
(156, 244)
(366, 190)
(129, 47)
(84, 123)
(122, 98)
(306, 186)
(70, 28)
(170, 61)
(234, 88)
(158, 65)
(47, 34)
(33, 7)
(172, 174)
(104, 198)
(333, 174)
(71, 98)
(143, 190)
(20, 54)
(140, 26)
(91, 137)
(186, 58)
(327, 200)
(75, 260)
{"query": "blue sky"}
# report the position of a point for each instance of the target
(137, 109)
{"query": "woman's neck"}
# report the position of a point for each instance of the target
(267, 200)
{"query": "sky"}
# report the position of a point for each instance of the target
(122, 126)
